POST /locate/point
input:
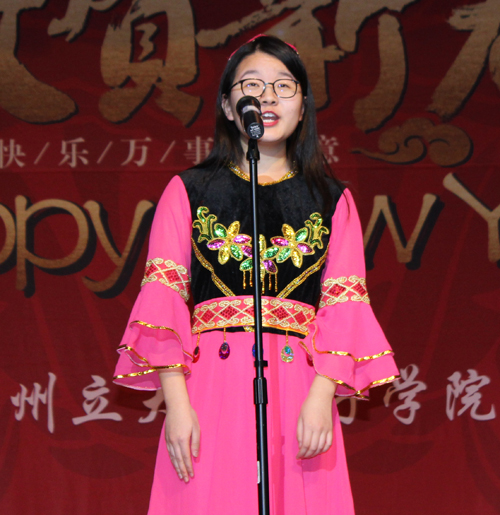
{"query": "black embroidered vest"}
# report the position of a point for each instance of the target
(293, 242)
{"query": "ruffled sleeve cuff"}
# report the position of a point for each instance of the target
(347, 345)
(157, 338)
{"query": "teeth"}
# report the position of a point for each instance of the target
(269, 115)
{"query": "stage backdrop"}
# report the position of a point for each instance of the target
(103, 101)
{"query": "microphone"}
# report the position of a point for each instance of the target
(251, 118)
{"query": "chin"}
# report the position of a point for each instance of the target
(271, 141)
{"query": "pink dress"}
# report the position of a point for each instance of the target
(336, 336)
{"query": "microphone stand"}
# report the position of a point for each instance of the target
(259, 383)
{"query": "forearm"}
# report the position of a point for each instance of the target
(173, 384)
(323, 388)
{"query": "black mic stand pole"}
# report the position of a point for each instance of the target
(259, 383)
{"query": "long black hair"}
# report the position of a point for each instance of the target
(303, 147)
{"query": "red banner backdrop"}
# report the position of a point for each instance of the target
(102, 102)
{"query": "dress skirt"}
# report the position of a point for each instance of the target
(225, 482)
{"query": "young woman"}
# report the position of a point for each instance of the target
(320, 334)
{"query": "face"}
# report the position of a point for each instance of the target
(279, 115)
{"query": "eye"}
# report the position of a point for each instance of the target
(284, 84)
(251, 84)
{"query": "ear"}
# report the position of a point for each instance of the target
(227, 108)
(303, 108)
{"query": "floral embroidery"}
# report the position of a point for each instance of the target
(267, 264)
(231, 244)
(294, 245)
(228, 241)
(168, 273)
(343, 289)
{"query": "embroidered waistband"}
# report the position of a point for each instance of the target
(277, 313)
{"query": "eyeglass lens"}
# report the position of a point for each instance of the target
(284, 88)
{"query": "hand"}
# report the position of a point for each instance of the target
(182, 433)
(182, 430)
(315, 425)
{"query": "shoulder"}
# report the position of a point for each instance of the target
(196, 177)
(337, 189)
(175, 188)
(346, 211)
(327, 190)
(208, 183)
(174, 196)
(335, 184)
(193, 173)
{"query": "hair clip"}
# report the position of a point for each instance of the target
(262, 36)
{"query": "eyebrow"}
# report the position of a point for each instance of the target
(286, 74)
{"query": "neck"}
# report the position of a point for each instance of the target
(273, 163)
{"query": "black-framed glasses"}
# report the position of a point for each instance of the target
(283, 88)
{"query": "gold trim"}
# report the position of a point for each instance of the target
(222, 287)
(151, 326)
(382, 381)
(131, 349)
(240, 173)
(358, 360)
(344, 353)
(153, 369)
(142, 358)
(162, 327)
(303, 276)
(358, 394)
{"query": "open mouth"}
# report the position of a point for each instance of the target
(269, 118)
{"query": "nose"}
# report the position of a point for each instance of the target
(268, 96)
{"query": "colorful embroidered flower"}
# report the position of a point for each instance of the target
(230, 243)
(295, 245)
(292, 245)
(267, 256)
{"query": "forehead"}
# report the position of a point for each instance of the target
(260, 64)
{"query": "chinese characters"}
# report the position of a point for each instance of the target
(464, 390)
(95, 403)
(34, 399)
(407, 389)
(467, 391)
(462, 395)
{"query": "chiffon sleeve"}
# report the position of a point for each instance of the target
(158, 332)
(345, 342)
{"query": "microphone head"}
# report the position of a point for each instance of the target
(248, 108)
(247, 103)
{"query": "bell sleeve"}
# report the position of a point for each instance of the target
(345, 342)
(158, 332)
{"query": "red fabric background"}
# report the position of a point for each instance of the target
(441, 311)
